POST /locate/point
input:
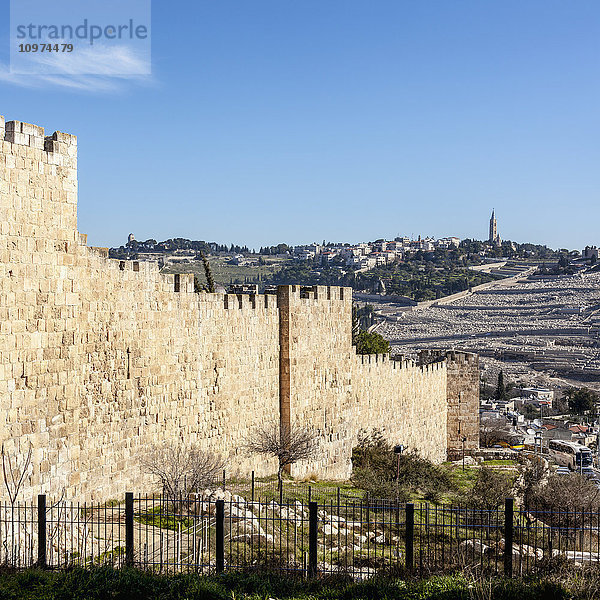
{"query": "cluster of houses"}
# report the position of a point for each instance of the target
(539, 398)
(360, 257)
(368, 255)
(507, 418)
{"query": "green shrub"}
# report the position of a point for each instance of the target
(377, 469)
(490, 489)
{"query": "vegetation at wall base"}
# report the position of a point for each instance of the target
(131, 584)
(383, 473)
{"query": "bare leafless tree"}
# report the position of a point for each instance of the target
(566, 501)
(14, 474)
(287, 444)
(180, 469)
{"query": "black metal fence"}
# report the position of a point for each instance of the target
(358, 538)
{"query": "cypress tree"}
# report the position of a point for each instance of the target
(500, 388)
(210, 282)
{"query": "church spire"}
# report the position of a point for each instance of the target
(494, 238)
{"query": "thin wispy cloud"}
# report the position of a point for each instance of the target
(93, 69)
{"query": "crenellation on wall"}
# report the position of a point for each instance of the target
(24, 134)
(100, 358)
(27, 134)
(63, 138)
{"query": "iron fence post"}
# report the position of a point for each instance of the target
(220, 536)
(129, 529)
(41, 519)
(409, 541)
(508, 537)
(252, 486)
(313, 524)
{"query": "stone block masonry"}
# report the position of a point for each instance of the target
(462, 386)
(100, 358)
(338, 393)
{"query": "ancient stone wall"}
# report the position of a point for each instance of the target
(462, 397)
(339, 393)
(319, 345)
(100, 359)
(463, 401)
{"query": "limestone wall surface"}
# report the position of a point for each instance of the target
(100, 359)
(339, 393)
(462, 386)
(463, 402)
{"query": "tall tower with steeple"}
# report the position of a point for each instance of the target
(494, 237)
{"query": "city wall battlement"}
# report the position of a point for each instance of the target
(26, 134)
(100, 359)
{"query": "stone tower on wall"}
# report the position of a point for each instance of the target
(462, 389)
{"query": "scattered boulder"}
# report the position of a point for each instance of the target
(475, 547)
(234, 512)
(246, 526)
(290, 514)
(253, 538)
(334, 519)
(218, 495)
(529, 551)
(578, 556)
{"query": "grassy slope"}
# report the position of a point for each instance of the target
(326, 491)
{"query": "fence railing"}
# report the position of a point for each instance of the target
(221, 531)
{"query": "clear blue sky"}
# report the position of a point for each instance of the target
(295, 121)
